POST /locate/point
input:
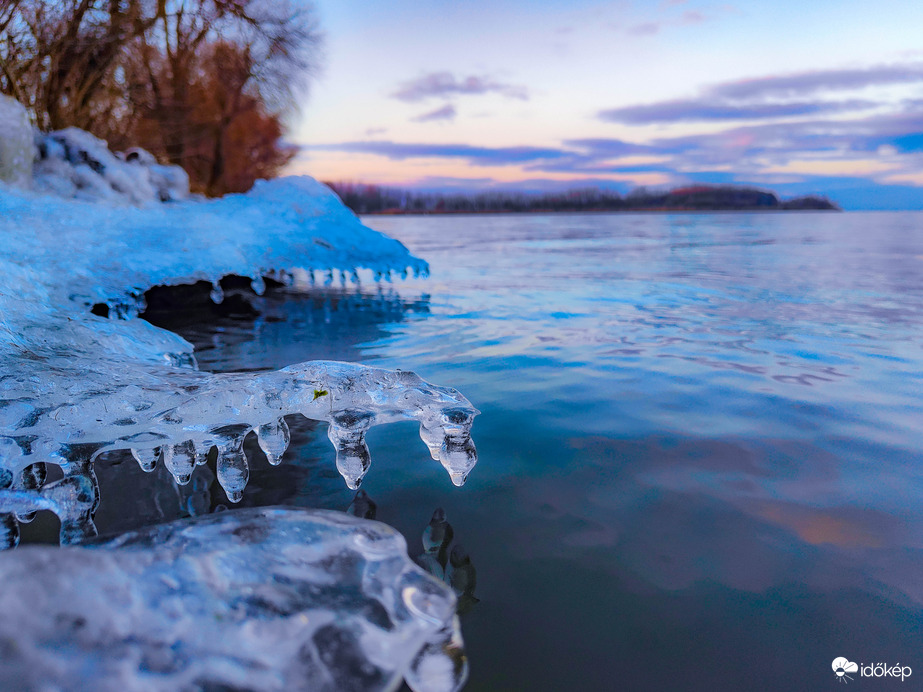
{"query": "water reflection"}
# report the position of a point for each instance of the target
(448, 561)
(283, 326)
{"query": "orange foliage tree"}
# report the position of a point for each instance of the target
(205, 84)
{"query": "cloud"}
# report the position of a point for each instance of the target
(372, 131)
(775, 96)
(644, 29)
(820, 154)
(609, 147)
(445, 84)
(700, 109)
(447, 112)
(803, 83)
(478, 156)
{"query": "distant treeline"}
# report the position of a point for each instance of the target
(372, 199)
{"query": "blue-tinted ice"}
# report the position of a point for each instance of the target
(74, 385)
(267, 599)
(262, 599)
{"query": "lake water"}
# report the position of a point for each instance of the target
(700, 440)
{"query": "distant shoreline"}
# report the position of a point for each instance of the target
(371, 199)
(672, 210)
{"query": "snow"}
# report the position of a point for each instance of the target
(75, 164)
(261, 599)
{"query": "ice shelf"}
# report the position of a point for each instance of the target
(74, 385)
(257, 599)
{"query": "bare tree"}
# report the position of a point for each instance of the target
(151, 69)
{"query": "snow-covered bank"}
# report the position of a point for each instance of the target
(75, 385)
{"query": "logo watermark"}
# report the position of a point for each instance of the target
(846, 670)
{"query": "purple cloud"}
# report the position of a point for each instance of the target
(820, 80)
(445, 84)
(478, 156)
(645, 29)
(609, 147)
(758, 98)
(447, 112)
(709, 109)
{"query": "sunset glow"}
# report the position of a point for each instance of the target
(621, 94)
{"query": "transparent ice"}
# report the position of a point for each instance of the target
(259, 599)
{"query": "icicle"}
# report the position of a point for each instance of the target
(233, 472)
(180, 461)
(206, 453)
(347, 433)
(217, 293)
(147, 459)
(458, 456)
(258, 285)
(31, 478)
(433, 438)
(273, 439)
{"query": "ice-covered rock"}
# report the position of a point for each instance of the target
(15, 143)
(74, 164)
(261, 599)
(74, 385)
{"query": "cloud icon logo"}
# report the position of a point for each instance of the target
(842, 666)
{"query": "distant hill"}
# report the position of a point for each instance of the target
(372, 199)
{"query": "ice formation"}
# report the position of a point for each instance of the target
(15, 144)
(75, 164)
(74, 385)
(259, 599)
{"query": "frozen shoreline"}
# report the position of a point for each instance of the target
(75, 385)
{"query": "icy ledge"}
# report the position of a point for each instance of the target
(262, 599)
(74, 385)
(181, 416)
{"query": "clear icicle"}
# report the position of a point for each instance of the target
(147, 459)
(233, 471)
(180, 461)
(347, 433)
(273, 439)
(217, 293)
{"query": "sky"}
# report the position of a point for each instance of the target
(820, 97)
